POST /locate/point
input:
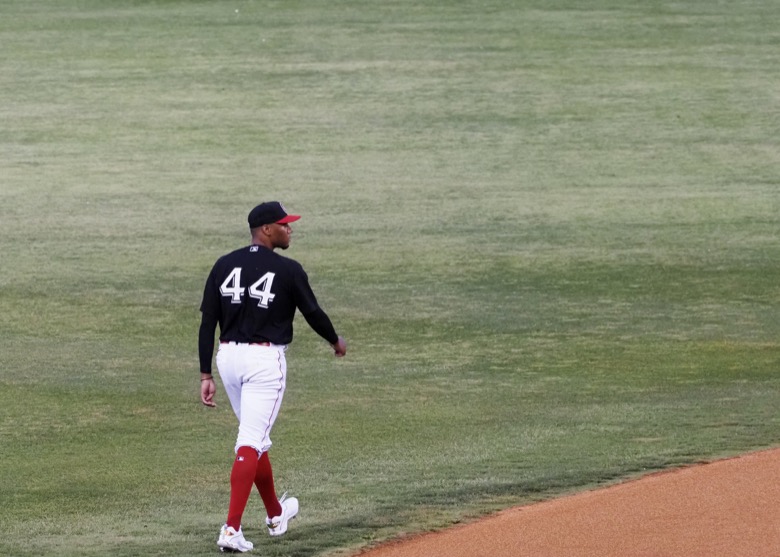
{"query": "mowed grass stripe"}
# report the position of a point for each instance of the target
(548, 232)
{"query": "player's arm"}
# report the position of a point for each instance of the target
(210, 308)
(319, 321)
(208, 324)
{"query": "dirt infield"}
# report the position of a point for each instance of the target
(727, 508)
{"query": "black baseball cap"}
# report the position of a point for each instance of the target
(270, 212)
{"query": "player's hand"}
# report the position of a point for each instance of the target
(340, 348)
(207, 391)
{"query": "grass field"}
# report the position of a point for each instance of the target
(548, 231)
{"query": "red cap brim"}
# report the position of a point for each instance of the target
(288, 219)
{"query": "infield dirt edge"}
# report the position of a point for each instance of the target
(728, 507)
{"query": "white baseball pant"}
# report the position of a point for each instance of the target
(254, 377)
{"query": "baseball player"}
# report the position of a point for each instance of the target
(253, 293)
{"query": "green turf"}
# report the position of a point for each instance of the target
(548, 231)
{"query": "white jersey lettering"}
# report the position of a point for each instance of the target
(261, 290)
(232, 286)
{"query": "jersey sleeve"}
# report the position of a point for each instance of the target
(307, 304)
(211, 303)
(210, 309)
(304, 297)
(320, 322)
(208, 325)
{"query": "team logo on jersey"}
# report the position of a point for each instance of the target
(253, 249)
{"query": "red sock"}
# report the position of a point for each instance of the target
(264, 480)
(241, 478)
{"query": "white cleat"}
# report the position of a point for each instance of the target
(232, 541)
(278, 524)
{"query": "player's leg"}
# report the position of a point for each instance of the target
(242, 476)
(264, 480)
(262, 391)
(265, 390)
(279, 512)
(231, 367)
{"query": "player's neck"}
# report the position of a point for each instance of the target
(263, 241)
(262, 245)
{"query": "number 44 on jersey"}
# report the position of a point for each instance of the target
(259, 290)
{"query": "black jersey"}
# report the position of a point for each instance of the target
(253, 294)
